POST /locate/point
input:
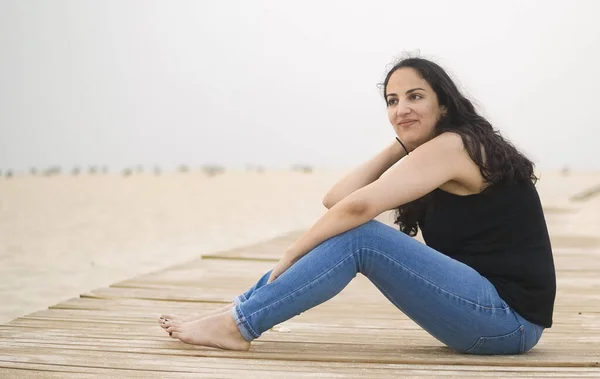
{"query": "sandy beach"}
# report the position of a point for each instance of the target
(64, 235)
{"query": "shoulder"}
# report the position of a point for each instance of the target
(446, 145)
(449, 151)
(450, 140)
(446, 153)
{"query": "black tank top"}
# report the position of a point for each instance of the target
(502, 234)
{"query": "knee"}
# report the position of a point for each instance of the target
(369, 234)
(365, 233)
(369, 227)
(374, 230)
(358, 233)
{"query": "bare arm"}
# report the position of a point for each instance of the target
(364, 174)
(434, 163)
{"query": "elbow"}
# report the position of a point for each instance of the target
(329, 201)
(349, 205)
(356, 207)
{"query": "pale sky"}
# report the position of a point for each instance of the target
(274, 83)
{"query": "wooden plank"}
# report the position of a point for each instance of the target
(587, 300)
(223, 278)
(271, 250)
(576, 263)
(298, 332)
(356, 353)
(31, 370)
(569, 241)
(404, 339)
(225, 290)
(376, 315)
(325, 369)
(272, 253)
(157, 307)
(403, 332)
(586, 194)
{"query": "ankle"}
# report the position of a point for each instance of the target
(230, 324)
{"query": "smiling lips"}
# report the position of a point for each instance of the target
(406, 123)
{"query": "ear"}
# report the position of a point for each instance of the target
(444, 110)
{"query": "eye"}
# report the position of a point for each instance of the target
(416, 96)
(392, 101)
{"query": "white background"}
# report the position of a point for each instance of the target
(274, 83)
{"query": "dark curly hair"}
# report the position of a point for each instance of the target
(502, 162)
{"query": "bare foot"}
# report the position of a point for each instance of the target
(167, 320)
(215, 331)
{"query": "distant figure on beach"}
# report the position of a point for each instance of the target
(484, 282)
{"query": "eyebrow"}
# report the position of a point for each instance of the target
(407, 92)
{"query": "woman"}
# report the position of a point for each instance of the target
(485, 281)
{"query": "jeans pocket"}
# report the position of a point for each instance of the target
(511, 343)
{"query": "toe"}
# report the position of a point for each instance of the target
(173, 323)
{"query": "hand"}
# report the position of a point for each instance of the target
(280, 268)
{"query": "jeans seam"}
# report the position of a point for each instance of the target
(239, 299)
(431, 283)
(242, 321)
(520, 330)
(306, 285)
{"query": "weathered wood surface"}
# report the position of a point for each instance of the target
(113, 331)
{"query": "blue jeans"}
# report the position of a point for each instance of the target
(447, 298)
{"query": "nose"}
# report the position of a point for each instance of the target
(402, 109)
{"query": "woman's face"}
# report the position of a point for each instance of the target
(413, 107)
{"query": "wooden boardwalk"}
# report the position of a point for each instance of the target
(114, 332)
